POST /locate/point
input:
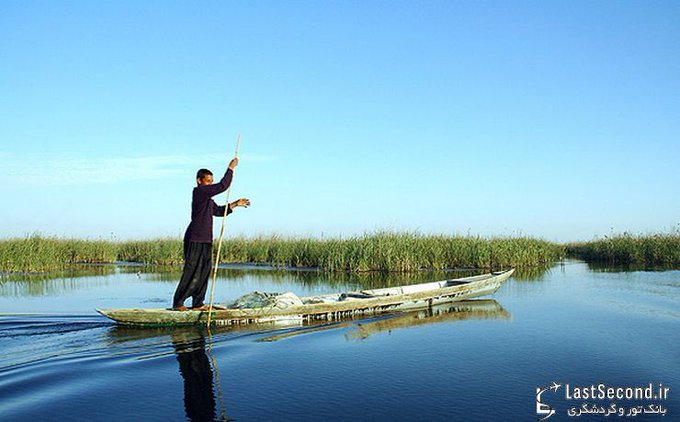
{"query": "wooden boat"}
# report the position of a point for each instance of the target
(325, 307)
(360, 328)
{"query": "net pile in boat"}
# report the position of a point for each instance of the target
(256, 300)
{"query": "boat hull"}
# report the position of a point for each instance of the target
(404, 298)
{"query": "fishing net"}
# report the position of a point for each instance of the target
(266, 300)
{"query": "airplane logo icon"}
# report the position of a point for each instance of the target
(544, 409)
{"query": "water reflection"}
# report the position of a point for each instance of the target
(342, 280)
(311, 277)
(269, 278)
(74, 271)
(447, 312)
(40, 284)
(624, 268)
(532, 273)
(456, 311)
(197, 373)
(203, 397)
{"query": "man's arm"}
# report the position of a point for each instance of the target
(219, 210)
(223, 185)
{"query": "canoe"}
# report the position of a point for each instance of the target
(325, 307)
(189, 336)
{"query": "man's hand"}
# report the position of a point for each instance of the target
(243, 202)
(233, 163)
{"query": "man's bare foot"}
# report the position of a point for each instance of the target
(201, 308)
(180, 308)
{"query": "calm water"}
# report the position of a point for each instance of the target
(480, 360)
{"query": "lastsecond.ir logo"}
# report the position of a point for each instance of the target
(542, 408)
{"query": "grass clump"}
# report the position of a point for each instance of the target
(630, 249)
(38, 253)
(165, 251)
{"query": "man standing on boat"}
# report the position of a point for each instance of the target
(199, 237)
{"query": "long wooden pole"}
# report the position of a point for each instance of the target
(219, 243)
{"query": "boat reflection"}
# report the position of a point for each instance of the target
(446, 312)
(454, 311)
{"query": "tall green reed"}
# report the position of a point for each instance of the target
(627, 248)
(378, 251)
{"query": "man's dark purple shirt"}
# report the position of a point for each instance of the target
(203, 208)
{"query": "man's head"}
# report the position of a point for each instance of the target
(204, 177)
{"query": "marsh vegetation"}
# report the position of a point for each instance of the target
(382, 251)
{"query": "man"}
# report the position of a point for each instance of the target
(199, 236)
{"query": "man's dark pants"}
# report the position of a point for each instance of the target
(194, 281)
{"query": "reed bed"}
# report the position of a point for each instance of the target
(380, 251)
(165, 251)
(656, 249)
(392, 252)
(37, 253)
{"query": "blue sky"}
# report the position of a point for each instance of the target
(552, 119)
